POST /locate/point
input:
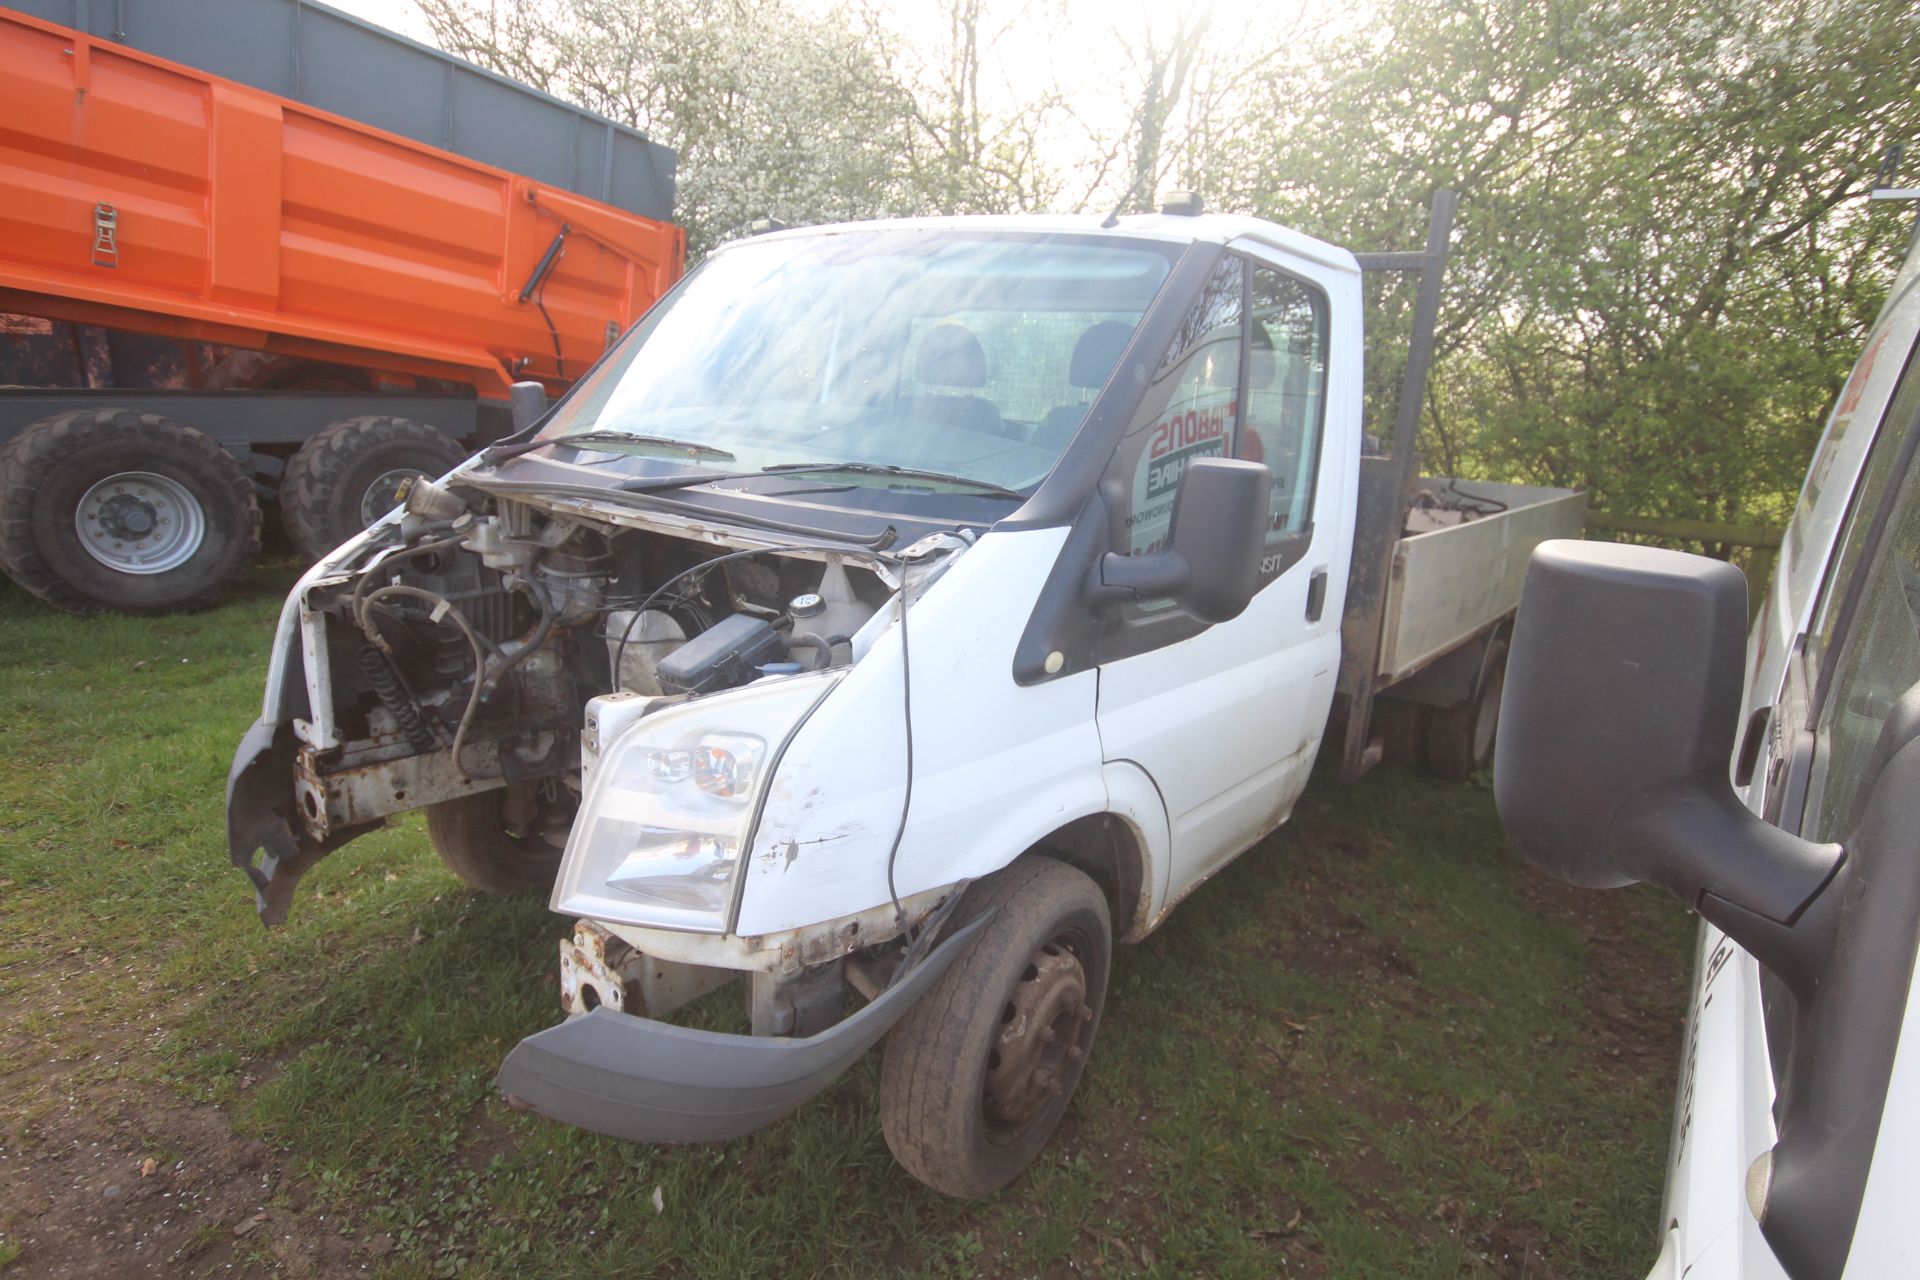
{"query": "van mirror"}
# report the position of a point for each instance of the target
(1617, 730)
(1211, 563)
(528, 401)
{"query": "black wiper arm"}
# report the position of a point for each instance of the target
(589, 439)
(889, 469)
(654, 484)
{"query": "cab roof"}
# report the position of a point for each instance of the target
(1205, 228)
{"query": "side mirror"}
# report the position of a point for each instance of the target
(528, 401)
(1211, 563)
(1616, 732)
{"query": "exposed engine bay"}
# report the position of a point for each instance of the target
(458, 651)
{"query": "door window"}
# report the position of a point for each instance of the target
(1245, 377)
(1286, 391)
(1190, 408)
(1878, 661)
(1863, 639)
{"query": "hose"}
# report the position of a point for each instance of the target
(380, 673)
(443, 609)
(405, 553)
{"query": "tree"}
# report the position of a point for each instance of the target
(970, 149)
(773, 113)
(1664, 262)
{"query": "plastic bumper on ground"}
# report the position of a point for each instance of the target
(650, 1081)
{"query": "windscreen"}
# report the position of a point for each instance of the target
(974, 355)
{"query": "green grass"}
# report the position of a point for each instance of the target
(1366, 1049)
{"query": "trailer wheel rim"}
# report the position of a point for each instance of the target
(382, 493)
(140, 523)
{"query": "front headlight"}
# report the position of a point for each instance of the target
(669, 808)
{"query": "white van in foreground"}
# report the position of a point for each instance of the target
(901, 613)
(1787, 815)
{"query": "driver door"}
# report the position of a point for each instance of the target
(1226, 719)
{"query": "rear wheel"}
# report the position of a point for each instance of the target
(348, 475)
(115, 509)
(508, 840)
(1460, 739)
(979, 1073)
(1402, 729)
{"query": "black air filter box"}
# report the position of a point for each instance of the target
(728, 653)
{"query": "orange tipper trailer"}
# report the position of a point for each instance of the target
(261, 249)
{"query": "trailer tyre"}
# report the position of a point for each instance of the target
(978, 1074)
(508, 840)
(1460, 739)
(115, 509)
(345, 477)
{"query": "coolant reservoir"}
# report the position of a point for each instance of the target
(841, 612)
(830, 614)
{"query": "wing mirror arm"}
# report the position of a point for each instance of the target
(1160, 575)
(1753, 881)
(1210, 564)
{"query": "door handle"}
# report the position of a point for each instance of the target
(1316, 594)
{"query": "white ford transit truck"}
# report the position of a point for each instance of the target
(899, 616)
(1772, 781)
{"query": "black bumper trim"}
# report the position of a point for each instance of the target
(650, 1081)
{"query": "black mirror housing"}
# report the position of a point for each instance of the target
(528, 402)
(1617, 730)
(1211, 563)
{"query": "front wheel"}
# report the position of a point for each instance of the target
(978, 1075)
(508, 840)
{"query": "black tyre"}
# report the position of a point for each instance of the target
(1460, 739)
(347, 476)
(116, 509)
(978, 1074)
(1401, 727)
(508, 840)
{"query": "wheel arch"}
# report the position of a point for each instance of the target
(1123, 849)
(1454, 678)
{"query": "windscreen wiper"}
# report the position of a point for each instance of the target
(889, 469)
(590, 439)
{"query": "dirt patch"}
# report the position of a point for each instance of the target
(1634, 1006)
(105, 1175)
(1516, 1250)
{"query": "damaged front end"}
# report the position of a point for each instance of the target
(450, 652)
(480, 643)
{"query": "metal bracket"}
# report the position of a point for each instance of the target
(1373, 546)
(106, 236)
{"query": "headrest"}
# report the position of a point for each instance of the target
(1262, 364)
(1096, 353)
(950, 357)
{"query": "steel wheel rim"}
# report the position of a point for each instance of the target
(535, 818)
(139, 522)
(1055, 1044)
(382, 493)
